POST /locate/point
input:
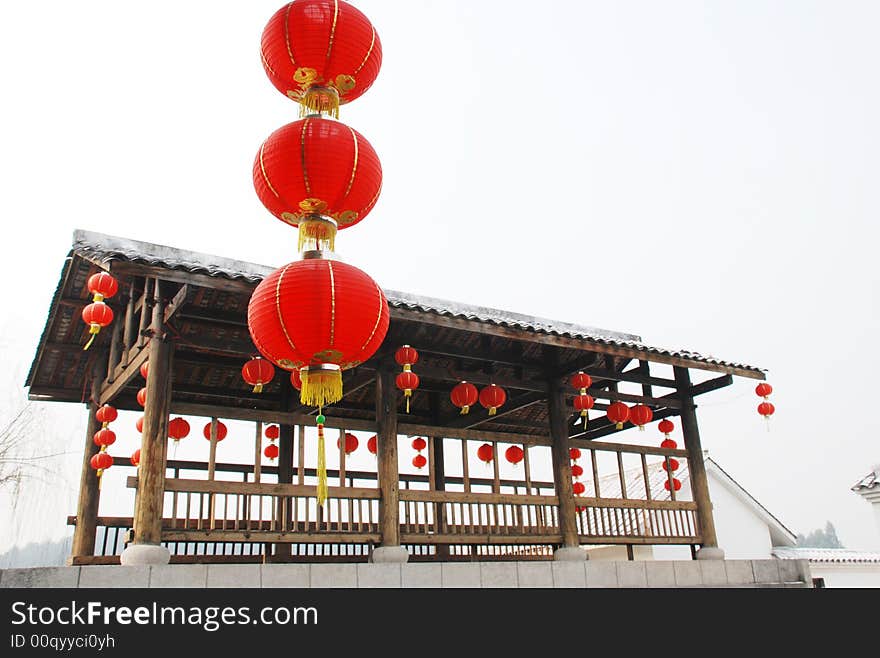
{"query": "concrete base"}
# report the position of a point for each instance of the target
(144, 554)
(570, 554)
(710, 553)
(389, 554)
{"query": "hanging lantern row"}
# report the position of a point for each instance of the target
(103, 438)
(272, 432)
(465, 395)
(407, 381)
(669, 464)
(577, 470)
(765, 408)
(582, 401)
(419, 444)
(97, 314)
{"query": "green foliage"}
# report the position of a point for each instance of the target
(820, 538)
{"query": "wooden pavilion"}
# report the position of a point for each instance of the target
(184, 314)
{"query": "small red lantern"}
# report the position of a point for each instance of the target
(578, 488)
(271, 451)
(102, 286)
(272, 432)
(669, 443)
(766, 409)
(321, 54)
(574, 453)
(514, 454)
(464, 395)
(641, 415)
(419, 444)
(618, 413)
(145, 369)
(406, 356)
(670, 464)
(763, 390)
(295, 380)
(101, 462)
(142, 396)
(492, 397)
(407, 381)
(136, 457)
(583, 403)
(140, 424)
(221, 431)
(577, 470)
(581, 381)
(486, 453)
(178, 428)
(351, 443)
(371, 444)
(419, 461)
(676, 483)
(96, 315)
(666, 426)
(104, 437)
(106, 415)
(257, 373)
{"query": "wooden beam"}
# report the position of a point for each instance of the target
(389, 481)
(182, 276)
(478, 416)
(122, 378)
(710, 385)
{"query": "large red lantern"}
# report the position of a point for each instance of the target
(486, 453)
(464, 395)
(492, 397)
(257, 373)
(271, 451)
(104, 437)
(514, 455)
(407, 381)
(419, 461)
(106, 415)
(578, 488)
(618, 413)
(351, 443)
(178, 428)
(221, 431)
(272, 432)
(319, 175)
(321, 53)
(371, 444)
(640, 415)
(406, 356)
(320, 316)
(136, 457)
(97, 315)
(102, 286)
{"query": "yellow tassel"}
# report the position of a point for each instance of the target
(641, 428)
(320, 387)
(492, 411)
(619, 426)
(93, 330)
(100, 298)
(320, 100)
(464, 410)
(319, 231)
(258, 388)
(322, 468)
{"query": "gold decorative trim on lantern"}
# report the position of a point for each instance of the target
(317, 232)
(321, 384)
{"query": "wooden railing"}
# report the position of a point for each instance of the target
(627, 521)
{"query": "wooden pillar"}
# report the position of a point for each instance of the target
(438, 483)
(386, 447)
(562, 467)
(282, 551)
(154, 441)
(128, 335)
(89, 494)
(696, 466)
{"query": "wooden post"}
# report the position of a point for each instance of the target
(115, 352)
(212, 450)
(89, 494)
(258, 452)
(389, 478)
(438, 483)
(696, 467)
(144, 318)
(562, 472)
(285, 466)
(129, 329)
(154, 441)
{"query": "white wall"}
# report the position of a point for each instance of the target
(846, 575)
(741, 533)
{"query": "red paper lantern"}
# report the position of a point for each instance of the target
(464, 395)
(419, 461)
(514, 454)
(574, 453)
(271, 451)
(668, 443)
(583, 403)
(419, 444)
(221, 431)
(142, 396)
(178, 428)
(581, 381)
(486, 453)
(640, 415)
(492, 397)
(766, 409)
(295, 380)
(272, 432)
(102, 286)
(104, 437)
(321, 53)
(666, 426)
(257, 373)
(618, 413)
(140, 424)
(145, 369)
(321, 316)
(371, 444)
(676, 483)
(106, 414)
(136, 457)
(578, 488)
(577, 470)
(763, 390)
(406, 356)
(318, 175)
(101, 462)
(96, 315)
(670, 463)
(407, 381)
(351, 443)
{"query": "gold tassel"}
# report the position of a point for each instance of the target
(317, 230)
(93, 330)
(407, 395)
(464, 410)
(492, 411)
(258, 388)
(619, 426)
(322, 467)
(320, 387)
(320, 100)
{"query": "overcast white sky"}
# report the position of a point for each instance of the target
(702, 174)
